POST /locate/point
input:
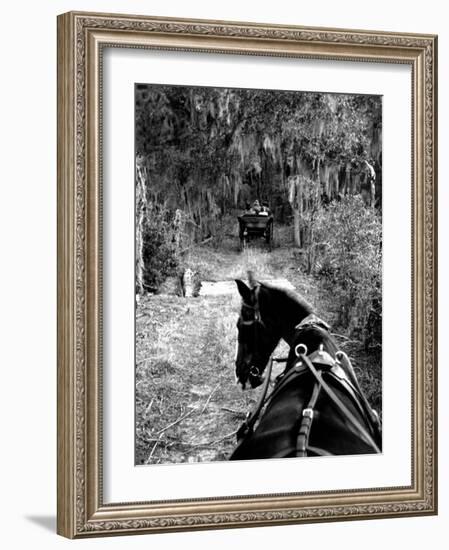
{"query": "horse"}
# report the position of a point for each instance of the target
(316, 407)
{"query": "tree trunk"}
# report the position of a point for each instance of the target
(140, 210)
(297, 227)
(296, 202)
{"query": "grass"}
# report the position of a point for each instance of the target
(188, 407)
(186, 397)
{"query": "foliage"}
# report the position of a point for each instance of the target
(161, 245)
(347, 238)
(202, 153)
(188, 407)
(208, 150)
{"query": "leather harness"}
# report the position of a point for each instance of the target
(318, 363)
(318, 369)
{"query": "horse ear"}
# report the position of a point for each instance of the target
(251, 279)
(244, 291)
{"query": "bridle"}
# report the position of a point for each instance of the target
(255, 308)
(257, 321)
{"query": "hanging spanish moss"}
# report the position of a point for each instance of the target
(207, 153)
(278, 187)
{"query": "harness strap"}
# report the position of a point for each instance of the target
(284, 379)
(251, 418)
(356, 394)
(355, 426)
(308, 413)
(318, 451)
(248, 424)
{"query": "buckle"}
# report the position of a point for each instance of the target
(308, 412)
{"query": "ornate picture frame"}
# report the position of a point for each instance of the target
(82, 39)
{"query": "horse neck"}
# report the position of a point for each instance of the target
(287, 313)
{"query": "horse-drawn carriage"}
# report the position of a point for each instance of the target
(253, 226)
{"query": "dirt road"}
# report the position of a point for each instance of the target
(188, 406)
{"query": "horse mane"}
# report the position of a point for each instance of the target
(288, 295)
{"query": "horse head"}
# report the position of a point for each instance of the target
(267, 315)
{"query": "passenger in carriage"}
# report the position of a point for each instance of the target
(265, 209)
(256, 207)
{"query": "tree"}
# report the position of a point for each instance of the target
(208, 150)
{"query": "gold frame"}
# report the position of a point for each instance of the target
(81, 37)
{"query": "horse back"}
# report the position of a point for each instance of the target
(276, 433)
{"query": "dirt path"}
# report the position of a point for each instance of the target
(188, 406)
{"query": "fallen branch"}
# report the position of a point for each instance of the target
(180, 419)
(147, 410)
(209, 398)
(215, 441)
(148, 460)
(233, 411)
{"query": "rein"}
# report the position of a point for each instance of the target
(251, 418)
(255, 308)
(257, 320)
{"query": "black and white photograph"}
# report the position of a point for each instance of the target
(258, 274)
(222, 314)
